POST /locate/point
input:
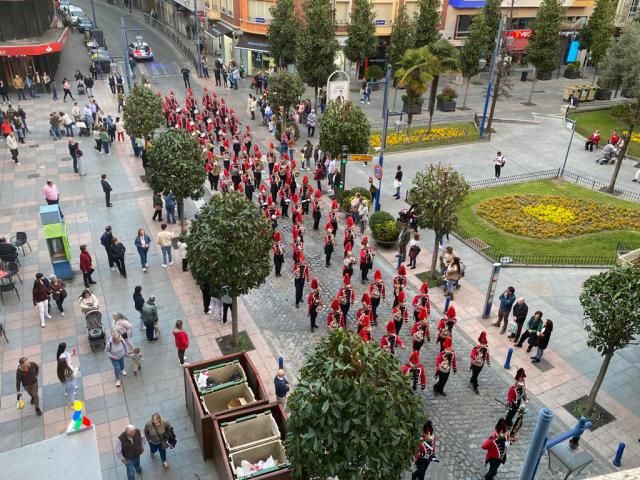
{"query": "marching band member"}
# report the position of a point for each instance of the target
(421, 301)
(333, 216)
(366, 259)
(496, 446)
(416, 370)
(315, 302)
(346, 295)
(445, 361)
(349, 233)
(329, 244)
(278, 253)
(479, 355)
(272, 212)
(335, 318)
(399, 283)
(316, 208)
(363, 311)
(516, 394)
(400, 313)
(445, 326)
(377, 291)
(426, 452)
(305, 194)
(389, 341)
(300, 275)
(420, 330)
(348, 262)
(366, 332)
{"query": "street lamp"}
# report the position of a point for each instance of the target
(496, 51)
(572, 125)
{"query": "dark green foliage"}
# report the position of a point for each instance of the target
(142, 112)
(344, 124)
(402, 36)
(544, 44)
(282, 32)
(285, 88)
(427, 23)
(598, 33)
(347, 196)
(361, 41)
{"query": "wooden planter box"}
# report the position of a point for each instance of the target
(204, 406)
(375, 86)
(544, 75)
(571, 74)
(251, 434)
(416, 109)
(603, 94)
(443, 106)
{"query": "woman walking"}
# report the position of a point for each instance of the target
(66, 372)
(138, 302)
(157, 431)
(182, 342)
(88, 301)
(543, 340)
(58, 292)
(122, 325)
(117, 251)
(414, 250)
(142, 244)
(40, 294)
(116, 350)
(453, 276)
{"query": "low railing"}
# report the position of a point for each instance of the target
(511, 179)
(423, 122)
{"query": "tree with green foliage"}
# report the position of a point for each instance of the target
(414, 74)
(598, 32)
(402, 36)
(473, 50)
(437, 194)
(447, 60)
(228, 248)
(285, 89)
(353, 413)
(427, 21)
(610, 303)
(361, 40)
(316, 44)
(544, 43)
(142, 112)
(282, 32)
(344, 123)
(492, 15)
(620, 68)
(175, 163)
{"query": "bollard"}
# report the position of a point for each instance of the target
(281, 362)
(447, 302)
(617, 460)
(507, 362)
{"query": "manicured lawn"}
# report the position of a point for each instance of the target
(587, 122)
(443, 134)
(595, 244)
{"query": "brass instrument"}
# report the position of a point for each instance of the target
(376, 292)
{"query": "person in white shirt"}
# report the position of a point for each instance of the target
(12, 143)
(165, 238)
(498, 163)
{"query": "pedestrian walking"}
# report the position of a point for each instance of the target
(534, 325)
(27, 378)
(120, 129)
(479, 356)
(426, 452)
(75, 153)
(282, 388)
(544, 336)
(496, 447)
(142, 243)
(185, 77)
(182, 253)
(52, 195)
(312, 122)
(122, 326)
(129, 447)
(86, 266)
(453, 276)
(170, 206)
(117, 252)
(403, 242)
(157, 206)
(66, 87)
(498, 163)
(4, 91)
(159, 433)
(67, 379)
(445, 362)
(117, 350)
(507, 299)
(149, 315)
(40, 293)
(88, 301)
(106, 188)
(138, 302)
(58, 292)
(182, 342)
(227, 304)
(54, 90)
(165, 239)
(397, 182)
(12, 144)
(414, 250)
(112, 83)
(520, 311)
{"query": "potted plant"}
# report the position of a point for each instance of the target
(347, 196)
(603, 94)
(544, 75)
(374, 73)
(415, 108)
(384, 228)
(572, 70)
(446, 100)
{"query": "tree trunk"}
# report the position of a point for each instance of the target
(183, 220)
(623, 152)
(466, 90)
(234, 321)
(315, 97)
(593, 80)
(434, 257)
(494, 100)
(597, 384)
(533, 85)
(432, 99)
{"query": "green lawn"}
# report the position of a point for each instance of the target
(398, 142)
(587, 122)
(595, 244)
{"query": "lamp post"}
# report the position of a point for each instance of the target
(93, 10)
(197, 37)
(496, 52)
(383, 140)
(566, 155)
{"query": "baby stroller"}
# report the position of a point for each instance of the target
(609, 155)
(95, 332)
(80, 87)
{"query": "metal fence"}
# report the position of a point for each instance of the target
(512, 179)
(602, 187)
(187, 48)
(401, 123)
(626, 247)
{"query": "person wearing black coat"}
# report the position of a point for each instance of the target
(106, 241)
(117, 251)
(138, 302)
(543, 340)
(520, 311)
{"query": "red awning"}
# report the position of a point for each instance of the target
(34, 49)
(518, 45)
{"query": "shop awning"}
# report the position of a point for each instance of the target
(518, 45)
(251, 41)
(218, 29)
(34, 47)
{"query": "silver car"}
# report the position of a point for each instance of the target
(140, 51)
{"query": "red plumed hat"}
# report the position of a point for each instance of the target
(334, 205)
(424, 288)
(391, 327)
(377, 276)
(271, 145)
(348, 247)
(226, 172)
(448, 343)
(240, 189)
(295, 232)
(346, 280)
(285, 156)
(482, 339)
(451, 312)
(214, 95)
(422, 314)
(222, 100)
(295, 198)
(402, 270)
(349, 222)
(270, 200)
(335, 305)
(314, 283)
(318, 194)
(366, 300)
(414, 359)
(226, 143)
(299, 218)
(364, 240)
(401, 297)
(305, 180)
(248, 129)
(256, 148)
(263, 188)
(277, 236)
(301, 257)
(328, 227)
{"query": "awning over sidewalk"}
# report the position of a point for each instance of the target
(33, 47)
(251, 41)
(218, 29)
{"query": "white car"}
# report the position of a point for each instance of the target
(140, 51)
(75, 13)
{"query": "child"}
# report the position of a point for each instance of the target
(414, 250)
(136, 357)
(182, 249)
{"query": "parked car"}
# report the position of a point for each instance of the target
(75, 13)
(140, 51)
(84, 24)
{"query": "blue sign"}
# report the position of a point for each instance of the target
(572, 53)
(259, 19)
(380, 22)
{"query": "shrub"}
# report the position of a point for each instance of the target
(379, 217)
(347, 196)
(384, 227)
(448, 94)
(374, 72)
(419, 101)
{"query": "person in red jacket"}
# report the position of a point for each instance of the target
(278, 253)
(420, 330)
(389, 342)
(421, 301)
(86, 266)
(517, 393)
(445, 326)
(426, 452)
(377, 291)
(445, 361)
(416, 370)
(479, 355)
(496, 446)
(335, 318)
(182, 342)
(366, 259)
(346, 295)
(301, 276)
(400, 312)
(314, 301)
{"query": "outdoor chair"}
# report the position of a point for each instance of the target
(13, 269)
(19, 240)
(7, 285)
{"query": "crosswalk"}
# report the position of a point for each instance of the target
(156, 69)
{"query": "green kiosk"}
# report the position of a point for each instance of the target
(55, 234)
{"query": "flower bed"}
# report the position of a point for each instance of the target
(418, 135)
(554, 216)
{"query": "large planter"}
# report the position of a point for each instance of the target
(375, 86)
(571, 73)
(416, 108)
(603, 94)
(384, 244)
(443, 106)
(544, 75)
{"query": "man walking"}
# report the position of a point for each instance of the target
(312, 121)
(52, 195)
(397, 182)
(498, 163)
(75, 152)
(129, 448)
(27, 377)
(149, 315)
(106, 188)
(507, 299)
(12, 143)
(165, 238)
(18, 84)
(106, 240)
(185, 77)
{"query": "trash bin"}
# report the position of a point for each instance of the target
(258, 453)
(584, 92)
(524, 75)
(228, 398)
(222, 375)
(249, 431)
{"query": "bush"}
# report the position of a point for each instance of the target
(374, 72)
(384, 227)
(419, 101)
(347, 196)
(448, 94)
(379, 217)
(277, 132)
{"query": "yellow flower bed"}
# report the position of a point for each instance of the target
(418, 135)
(555, 216)
(635, 137)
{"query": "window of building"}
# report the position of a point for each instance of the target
(523, 23)
(383, 11)
(227, 7)
(412, 8)
(259, 11)
(463, 23)
(342, 12)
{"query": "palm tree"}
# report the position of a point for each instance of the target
(447, 60)
(413, 74)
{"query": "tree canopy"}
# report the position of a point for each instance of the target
(142, 112)
(414, 74)
(598, 33)
(361, 40)
(282, 32)
(447, 60)
(474, 49)
(544, 44)
(353, 413)
(492, 14)
(344, 123)
(402, 36)
(285, 88)
(427, 22)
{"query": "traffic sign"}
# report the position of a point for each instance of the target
(377, 172)
(360, 158)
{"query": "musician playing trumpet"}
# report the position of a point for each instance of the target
(314, 302)
(445, 362)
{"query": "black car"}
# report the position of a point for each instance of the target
(84, 24)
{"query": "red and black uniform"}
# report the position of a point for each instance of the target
(329, 244)
(416, 370)
(400, 313)
(285, 198)
(300, 275)
(316, 209)
(426, 452)
(421, 301)
(333, 216)
(363, 317)
(445, 326)
(335, 318)
(420, 330)
(389, 341)
(515, 395)
(315, 303)
(346, 296)
(479, 356)
(348, 262)
(278, 254)
(399, 283)
(377, 291)
(366, 260)
(272, 213)
(445, 361)
(305, 195)
(496, 446)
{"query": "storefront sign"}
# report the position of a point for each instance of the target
(517, 34)
(380, 22)
(35, 49)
